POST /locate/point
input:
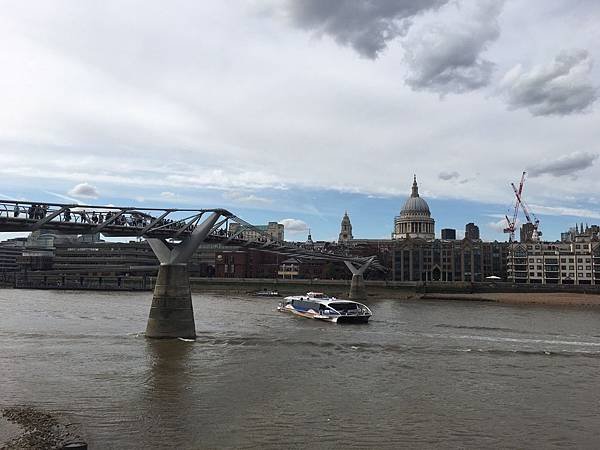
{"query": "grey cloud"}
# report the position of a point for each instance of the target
(448, 175)
(365, 25)
(559, 88)
(564, 165)
(446, 58)
(84, 190)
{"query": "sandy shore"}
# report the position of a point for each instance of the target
(28, 428)
(551, 298)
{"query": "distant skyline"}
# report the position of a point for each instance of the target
(299, 110)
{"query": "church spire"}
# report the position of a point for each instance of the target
(415, 187)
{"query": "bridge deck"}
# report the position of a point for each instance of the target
(165, 224)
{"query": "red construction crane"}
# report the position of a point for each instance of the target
(512, 223)
(526, 210)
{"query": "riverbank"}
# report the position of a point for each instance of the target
(499, 292)
(28, 428)
(522, 298)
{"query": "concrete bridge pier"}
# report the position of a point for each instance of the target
(358, 291)
(172, 313)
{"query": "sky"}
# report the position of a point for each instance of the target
(299, 110)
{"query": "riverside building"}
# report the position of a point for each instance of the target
(576, 261)
(273, 229)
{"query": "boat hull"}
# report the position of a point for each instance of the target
(353, 319)
(333, 319)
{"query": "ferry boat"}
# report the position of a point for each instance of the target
(317, 305)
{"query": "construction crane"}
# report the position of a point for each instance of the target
(513, 223)
(519, 202)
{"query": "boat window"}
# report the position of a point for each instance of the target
(343, 307)
(306, 304)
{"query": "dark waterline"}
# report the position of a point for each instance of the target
(420, 374)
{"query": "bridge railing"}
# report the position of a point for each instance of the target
(164, 223)
(31, 216)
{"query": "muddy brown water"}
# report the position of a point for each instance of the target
(419, 375)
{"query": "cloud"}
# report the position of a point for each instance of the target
(294, 226)
(246, 198)
(365, 25)
(501, 224)
(65, 197)
(448, 175)
(84, 190)
(560, 88)
(565, 211)
(168, 195)
(446, 57)
(564, 165)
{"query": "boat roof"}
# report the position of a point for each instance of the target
(323, 300)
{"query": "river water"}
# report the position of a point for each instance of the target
(419, 375)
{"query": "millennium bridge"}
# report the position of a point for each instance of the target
(173, 234)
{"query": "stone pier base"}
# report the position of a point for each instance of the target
(171, 313)
(358, 292)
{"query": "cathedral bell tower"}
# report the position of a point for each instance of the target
(346, 230)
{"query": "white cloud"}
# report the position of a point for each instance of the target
(246, 198)
(231, 101)
(84, 190)
(294, 226)
(565, 211)
(499, 225)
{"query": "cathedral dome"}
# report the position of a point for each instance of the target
(415, 219)
(415, 204)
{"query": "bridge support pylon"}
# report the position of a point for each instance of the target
(358, 291)
(172, 313)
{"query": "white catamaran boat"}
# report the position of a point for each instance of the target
(316, 305)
